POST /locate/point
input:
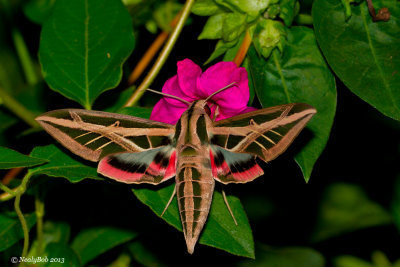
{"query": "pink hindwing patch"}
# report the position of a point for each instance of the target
(135, 167)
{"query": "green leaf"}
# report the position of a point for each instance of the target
(53, 232)
(38, 10)
(123, 260)
(91, 243)
(156, 198)
(233, 26)
(205, 8)
(299, 75)
(220, 230)
(220, 49)
(11, 229)
(379, 259)
(346, 208)
(12, 159)
(62, 165)
(143, 255)
(253, 8)
(289, 10)
(285, 257)
(350, 261)
(58, 232)
(213, 27)
(83, 46)
(137, 112)
(362, 53)
(165, 13)
(231, 52)
(61, 255)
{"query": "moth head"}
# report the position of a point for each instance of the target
(202, 104)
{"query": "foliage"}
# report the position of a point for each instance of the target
(334, 55)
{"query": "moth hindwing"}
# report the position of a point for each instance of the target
(197, 151)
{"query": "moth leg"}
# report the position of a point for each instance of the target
(227, 205)
(169, 201)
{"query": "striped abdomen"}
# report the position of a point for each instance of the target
(194, 190)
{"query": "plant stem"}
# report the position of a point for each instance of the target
(347, 9)
(150, 53)
(11, 174)
(39, 209)
(24, 57)
(23, 224)
(18, 109)
(147, 57)
(162, 57)
(6, 189)
(21, 190)
(244, 47)
(7, 196)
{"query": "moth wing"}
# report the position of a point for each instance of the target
(152, 166)
(96, 134)
(229, 167)
(265, 133)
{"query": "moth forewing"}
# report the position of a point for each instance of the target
(265, 133)
(95, 134)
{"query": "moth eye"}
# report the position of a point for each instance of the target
(207, 110)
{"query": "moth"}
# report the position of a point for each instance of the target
(197, 150)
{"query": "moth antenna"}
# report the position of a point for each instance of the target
(219, 90)
(168, 95)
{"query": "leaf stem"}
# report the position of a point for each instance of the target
(39, 209)
(20, 191)
(24, 57)
(244, 47)
(163, 55)
(18, 109)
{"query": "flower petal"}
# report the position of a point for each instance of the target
(165, 112)
(171, 86)
(188, 72)
(221, 75)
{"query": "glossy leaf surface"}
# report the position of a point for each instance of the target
(83, 46)
(63, 164)
(11, 230)
(299, 75)
(220, 230)
(362, 53)
(12, 159)
(90, 243)
(346, 208)
(286, 256)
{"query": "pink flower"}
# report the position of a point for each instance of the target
(191, 84)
